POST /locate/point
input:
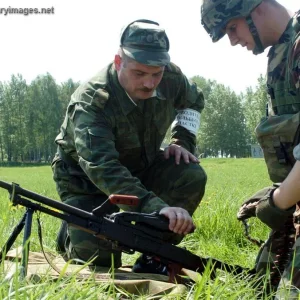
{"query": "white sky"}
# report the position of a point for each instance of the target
(81, 37)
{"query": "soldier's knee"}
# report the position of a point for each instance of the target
(196, 176)
(193, 182)
(201, 176)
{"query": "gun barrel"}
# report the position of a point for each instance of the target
(45, 200)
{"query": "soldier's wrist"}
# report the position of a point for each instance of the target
(283, 198)
(277, 202)
(152, 205)
(270, 214)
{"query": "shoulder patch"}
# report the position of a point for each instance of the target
(100, 98)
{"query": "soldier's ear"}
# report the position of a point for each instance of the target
(118, 61)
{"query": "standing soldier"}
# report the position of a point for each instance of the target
(256, 25)
(110, 142)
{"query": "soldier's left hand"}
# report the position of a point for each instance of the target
(180, 220)
(178, 152)
(270, 214)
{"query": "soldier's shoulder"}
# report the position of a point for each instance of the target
(94, 91)
(172, 74)
(173, 68)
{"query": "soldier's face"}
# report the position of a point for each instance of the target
(239, 33)
(138, 80)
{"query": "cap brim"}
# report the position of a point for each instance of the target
(148, 57)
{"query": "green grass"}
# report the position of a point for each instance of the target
(218, 234)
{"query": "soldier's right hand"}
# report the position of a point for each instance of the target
(180, 220)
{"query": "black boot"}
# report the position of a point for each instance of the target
(148, 264)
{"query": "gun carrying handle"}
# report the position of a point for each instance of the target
(123, 199)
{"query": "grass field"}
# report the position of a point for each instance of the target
(218, 233)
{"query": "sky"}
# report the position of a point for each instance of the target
(81, 37)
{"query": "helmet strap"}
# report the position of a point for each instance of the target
(259, 48)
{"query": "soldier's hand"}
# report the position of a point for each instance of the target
(248, 208)
(178, 152)
(180, 220)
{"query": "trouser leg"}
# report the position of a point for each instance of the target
(180, 185)
(83, 246)
(289, 285)
(75, 189)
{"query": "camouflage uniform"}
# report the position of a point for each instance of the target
(277, 133)
(115, 145)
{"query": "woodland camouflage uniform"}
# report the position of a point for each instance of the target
(115, 145)
(291, 276)
(278, 133)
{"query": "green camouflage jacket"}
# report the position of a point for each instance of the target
(283, 73)
(113, 140)
(279, 132)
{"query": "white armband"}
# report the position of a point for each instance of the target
(189, 119)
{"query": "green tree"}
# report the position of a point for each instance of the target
(254, 106)
(47, 114)
(2, 124)
(65, 91)
(223, 130)
(17, 90)
(9, 118)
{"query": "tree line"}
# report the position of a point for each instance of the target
(228, 120)
(31, 115)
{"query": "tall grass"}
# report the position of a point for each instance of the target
(218, 235)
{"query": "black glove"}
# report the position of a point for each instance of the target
(270, 214)
(248, 208)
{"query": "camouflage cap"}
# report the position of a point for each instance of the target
(146, 42)
(215, 14)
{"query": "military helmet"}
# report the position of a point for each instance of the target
(215, 14)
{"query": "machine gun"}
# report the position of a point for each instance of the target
(126, 231)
